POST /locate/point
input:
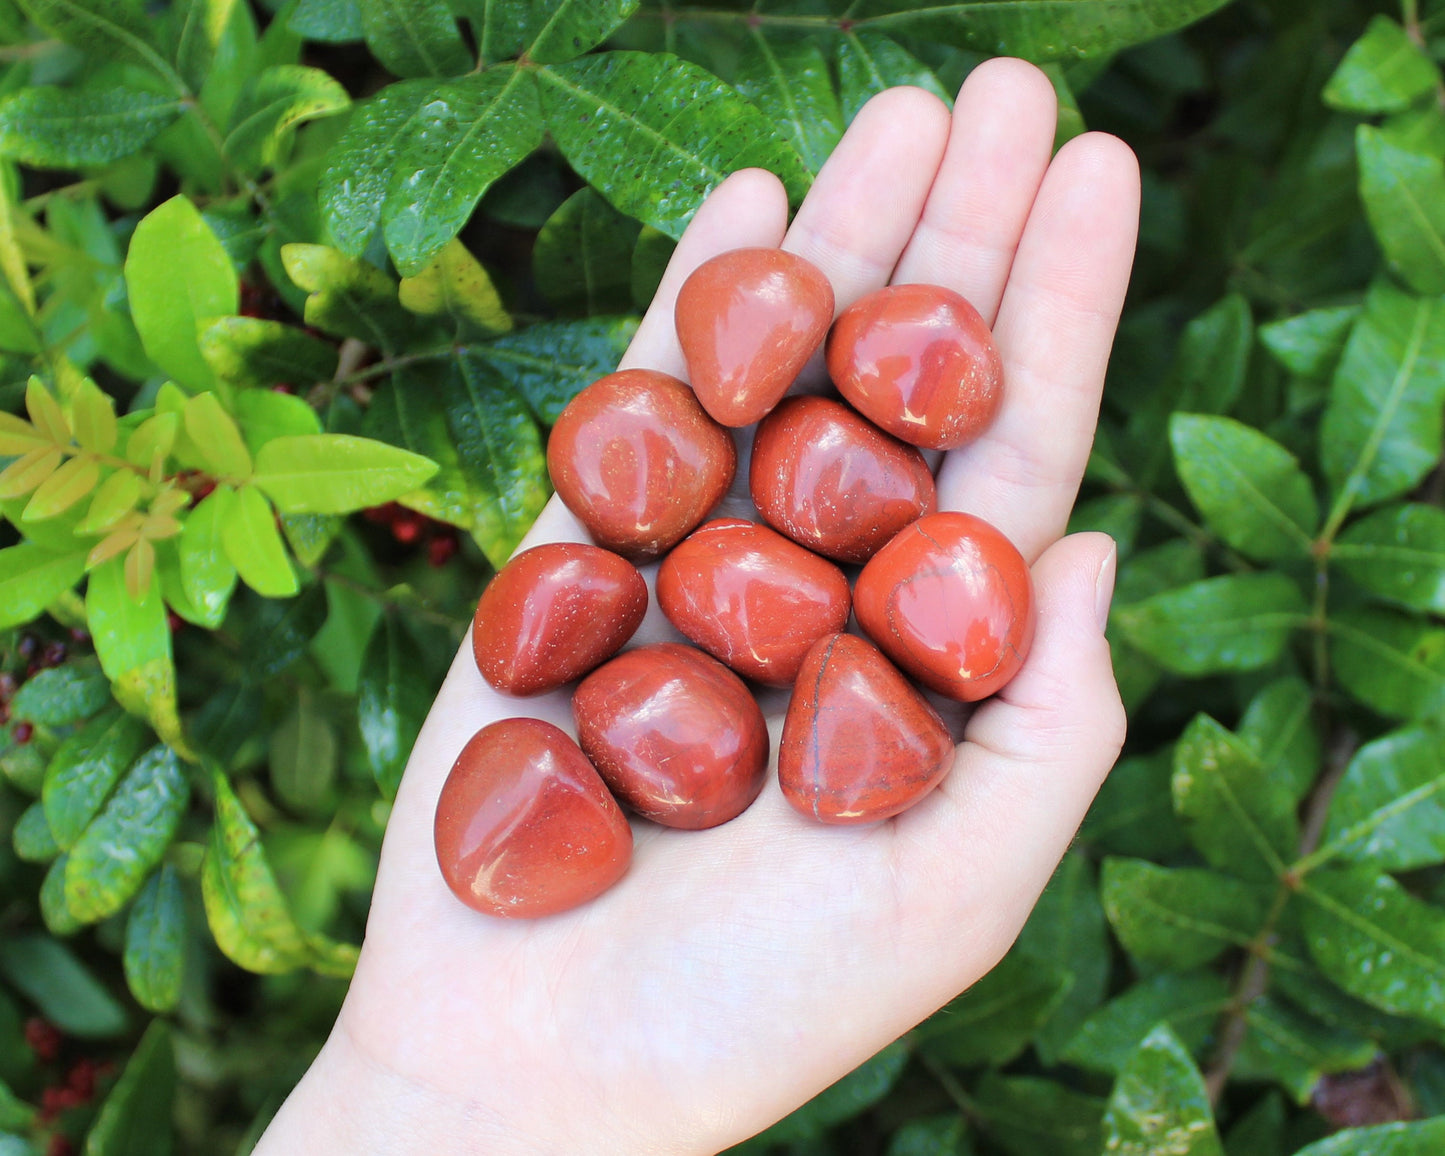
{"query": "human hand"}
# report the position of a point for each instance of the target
(735, 972)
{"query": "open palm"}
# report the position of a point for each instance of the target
(735, 972)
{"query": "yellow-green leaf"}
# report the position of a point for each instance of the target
(217, 437)
(45, 412)
(116, 497)
(25, 473)
(456, 285)
(253, 544)
(62, 489)
(336, 473)
(153, 439)
(94, 416)
(18, 436)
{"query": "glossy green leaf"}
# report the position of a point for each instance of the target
(32, 838)
(1394, 664)
(62, 695)
(277, 634)
(1133, 814)
(1286, 1044)
(217, 438)
(869, 62)
(111, 860)
(1310, 343)
(207, 575)
(14, 1113)
(1384, 71)
(63, 128)
(467, 134)
(568, 28)
(1279, 727)
(1404, 196)
(392, 701)
(1382, 428)
(414, 37)
(1397, 554)
(455, 285)
(177, 275)
(582, 259)
(1249, 488)
(272, 104)
(303, 756)
(336, 473)
(550, 363)
(789, 80)
(650, 258)
(1377, 941)
(1027, 1116)
(111, 29)
(1389, 808)
(32, 577)
(859, 1090)
(1159, 1104)
(997, 1018)
(1178, 917)
(135, 1119)
(67, 993)
(1235, 622)
(1240, 817)
(932, 1136)
(265, 415)
(349, 298)
(331, 21)
(155, 942)
(680, 127)
(1259, 1131)
(254, 547)
(199, 28)
(247, 351)
(55, 910)
(1422, 1138)
(85, 769)
(1190, 1002)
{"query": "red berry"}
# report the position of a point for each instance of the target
(174, 621)
(53, 654)
(42, 1037)
(440, 549)
(22, 733)
(80, 636)
(406, 530)
(381, 515)
(81, 1078)
(60, 1146)
(283, 387)
(4, 713)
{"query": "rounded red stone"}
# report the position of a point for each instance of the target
(918, 361)
(524, 825)
(859, 742)
(675, 734)
(752, 598)
(553, 613)
(748, 321)
(833, 482)
(637, 459)
(950, 601)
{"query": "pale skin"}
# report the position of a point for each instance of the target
(736, 972)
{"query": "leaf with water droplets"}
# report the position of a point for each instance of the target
(1159, 1104)
(789, 80)
(1398, 554)
(63, 128)
(1389, 809)
(1179, 917)
(1422, 1138)
(414, 37)
(870, 62)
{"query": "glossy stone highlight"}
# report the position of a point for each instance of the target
(524, 825)
(553, 613)
(748, 320)
(675, 734)
(859, 742)
(919, 362)
(751, 598)
(950, 600)
(833, 482)
(636, 458)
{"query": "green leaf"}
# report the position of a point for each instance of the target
(789, 81)
(859, 1090)
(254, 546)
(1279, 727)
(582, 259)
(32, 838)
(247, 351)
(1178, 918)
(869, 62)
(1188, 1002)
(32, 577)
(1310, 344)
(1398, 554)
(14, 1113)
(1382, 428)
(1249, 488)
(1294, 1049)
(1027, 1116)
(62, 695)
(64, 128)
(1394, 664)
(178, 274)
(84, 770)
(200, 30)
(682, 129)
(1384, 71)
(126, 840)
(1404, 196)
(1388, 810)
(1423, 1138)
(1133, 813)
(48, 974)
(1034, 29)
(155, 942)
(650, 258)
(110, 29)
(303, 756)
(1235, 622)
(1240, 817)
(331, 21)
(349, 298)
(1159, 1104)
(217, 438)
(1377, 941)
(467, 134)
(277, 634)
(414, 37)
(272, 104)
(247, 913)
(551, 363)
(932, 1136)
(997, 1018)
(336, 473)
(55, 910)
(572, 27)
(207, 575)
(135, 1119)
(392, 701)
(455, 285)
(133, 643)
(265, 415)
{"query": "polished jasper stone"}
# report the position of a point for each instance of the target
(919, 362)
(553, 613)
(524, 825)
(833, 482)
(950, 600)
(637, 459)
(751, 598)
(748, 321)
(675, 734)
(859, 742)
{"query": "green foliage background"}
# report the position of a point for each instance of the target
(431, 223)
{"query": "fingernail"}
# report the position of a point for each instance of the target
(1104, 585)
